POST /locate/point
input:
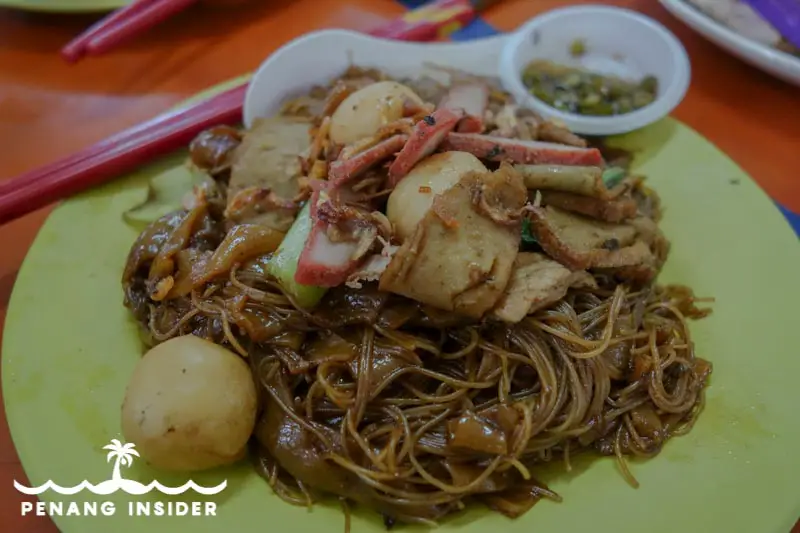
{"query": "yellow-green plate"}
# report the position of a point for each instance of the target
(65, 6)
(70, 347)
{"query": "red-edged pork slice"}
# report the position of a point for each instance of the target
(344, 170)
(341, 236)
(428, 134)
(324, 263)
(472, 98)
(517, 151)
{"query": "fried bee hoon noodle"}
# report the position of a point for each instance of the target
(394, 404)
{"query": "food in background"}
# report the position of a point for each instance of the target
(577, 48)
(742, 19)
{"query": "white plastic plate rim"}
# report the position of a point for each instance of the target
(318, 57)
(771, 61)
(672, 95)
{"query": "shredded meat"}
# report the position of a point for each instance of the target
(402, 126)
(494, 202)
(344, 170)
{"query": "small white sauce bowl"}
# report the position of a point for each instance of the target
(619, 42)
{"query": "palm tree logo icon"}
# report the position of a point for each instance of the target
(123, 455)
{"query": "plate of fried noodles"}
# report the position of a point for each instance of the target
(394, 299)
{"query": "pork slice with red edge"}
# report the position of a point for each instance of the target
(341, 236)
(472, 98)
(428, 134)
(344, 170)
(518, 151)
(324, 263)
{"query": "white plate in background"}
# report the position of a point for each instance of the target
(766, 58)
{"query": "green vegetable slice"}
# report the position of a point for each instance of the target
(527, 235)
(283, 264)
(613, 175)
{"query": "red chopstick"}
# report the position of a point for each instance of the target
(76, 48)
(149, 16)
(117, 155)
(125, 151)
(121, 25)
(227, 103)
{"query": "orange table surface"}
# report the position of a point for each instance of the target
(49, 109)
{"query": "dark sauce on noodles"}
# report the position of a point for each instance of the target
(412, 411)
